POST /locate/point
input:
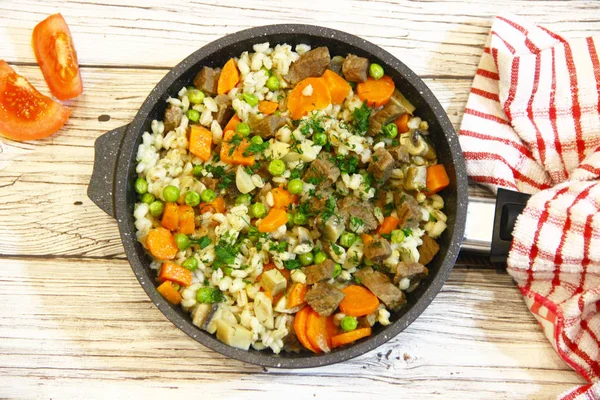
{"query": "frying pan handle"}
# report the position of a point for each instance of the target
(106, 149)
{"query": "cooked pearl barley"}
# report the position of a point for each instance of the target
(345, 275)
(298, 276)
(383, 317)
(258, 181)
(186, 303)
(206, 118)
(307, 91)
(420, 197)
(404, 284)
(437, 201)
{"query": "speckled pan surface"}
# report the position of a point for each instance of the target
(339, 43)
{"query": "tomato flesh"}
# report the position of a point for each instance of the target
(56, 55)
(25, 113)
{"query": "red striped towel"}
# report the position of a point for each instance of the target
(532, 124)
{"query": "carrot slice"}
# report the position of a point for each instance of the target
(366, 238)
(269, 266)
(175, 273)
(215, 206)
(186, 220)
(233, 122)
(437, 179)
(316, 331)
(282, 198)
(388, 225)
(358, 301)
(267, 107)
(170, 219)
(296, 295)
(229, 78)
(233, 153)
(168, 291)
(402, 123)
(273, 220)
(200, 142)
(300, 328)
(338, 87)
(300, 104)
(376, 92)
(349, 337)
(161, 244)
(332, 331)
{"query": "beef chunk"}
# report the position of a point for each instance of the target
(173, 115)
(368, 320)
(381, 286)
(352, 207)
(397, 106)
(378, 250)
(311, 63)
(400, 154)
(225, 111)
(266, 127)
(382, 165)
(291, 344)
(207, 79)
(336, 64)
(319, 272)
(355, 68)
(210, 183)
(322, 172)
(409, 211)
(318, 202)
(324, 298)
(427, 250)
(411, 270)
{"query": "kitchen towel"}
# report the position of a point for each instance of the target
(532, 124)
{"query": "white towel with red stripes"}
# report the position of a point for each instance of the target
(532, 124)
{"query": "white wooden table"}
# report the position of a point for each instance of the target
(74, 322)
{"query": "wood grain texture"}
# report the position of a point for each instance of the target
(74, 322)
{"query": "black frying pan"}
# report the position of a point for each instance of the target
(111, 186)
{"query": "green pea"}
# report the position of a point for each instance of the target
(397, 236)
(390, 130)
(306, 259)
(295, 186)
(337, 271)
(276, 167)
(141, 186)
(290, 220)
(273, 83)
(256, 140)
(243, 199)
(182, 241)
(251, 99)
(192, 198)
(266, 71)
(258, 210)
(148, 198)
(376, 71)
(197, 170)
(156, 208)
(320, 257)
(300, 218)
(190, 263)
(320, 139)
(209, 295)
(349, 323)
(208, 195)
(193, 115)
(195, 96)
(347, 239)
(171, 193)
(243, 129)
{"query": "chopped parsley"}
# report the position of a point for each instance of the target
(407, 232)
(235, 141)
(348, 165)
(278, 247)
(256, 148)
(361, 119)
(292, 264)
(388, 208)
(203, 241)
(224, 255)
(312, 125)
(336, 249)
(329, 209)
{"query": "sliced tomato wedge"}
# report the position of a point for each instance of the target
(25, 113)
(56, 55)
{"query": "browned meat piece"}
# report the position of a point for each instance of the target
(411, 270)
(378, 250)
(336, 64)
(368, 320)
(322, 172)
(381, 286)
(291, 344)
(427, 250)
(173, 115)
(400, 154)
(324, 298)
(397, 106)
(355, 68)
(409, 211)
(317, 203)
(266, 127)
(311, 63)
(210, 183)
(382, 165)
(352, 207)
(207, 79)
(225, 112)
(263, 191)
(319, 272)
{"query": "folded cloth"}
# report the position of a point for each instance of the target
(532, 124)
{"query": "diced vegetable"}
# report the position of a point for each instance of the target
(437, 179)
(358, 301)
(171, 193)
(161, 244)
(316, 331)
(388, 225)
(263, 309)
(215, 206)
(349, 323)
(273, 282)
(402, 123)
(376, 92)
(267, 107)
(168, 291)
(300, 103)
(170, 219)
(234, 335)
(276, 218)
(349, 337)
(229, 78)
(282, 198)
(243, 181)
(366, 238)
(233, 152)
(175, 273)
(232, 124)
(338, 87)
(192, 198)
(295, 296)
(200, 142)
(300, 325)
(186, 219)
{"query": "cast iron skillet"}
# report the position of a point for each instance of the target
(111, 186)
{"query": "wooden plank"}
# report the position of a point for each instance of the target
(71, 325)
(432, 37)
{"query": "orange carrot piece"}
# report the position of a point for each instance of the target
(332, 330)
(200, 142)
(161, 244)
(175, 273)
(273, 220)
(402, 123)
(300, 105)
(233, 122)
(215, 206)
(186, 220)
(229, 78)
(349, 337)
(316, 331)
(300, 328)
(366, 238)
(237, 156)
(167, 291)
(267, 107)
(338, 87)
(358, 301)
(388, 225)
(170, 218)
(282, 198)
(376, 92)
(296, 295)
(437, 179)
